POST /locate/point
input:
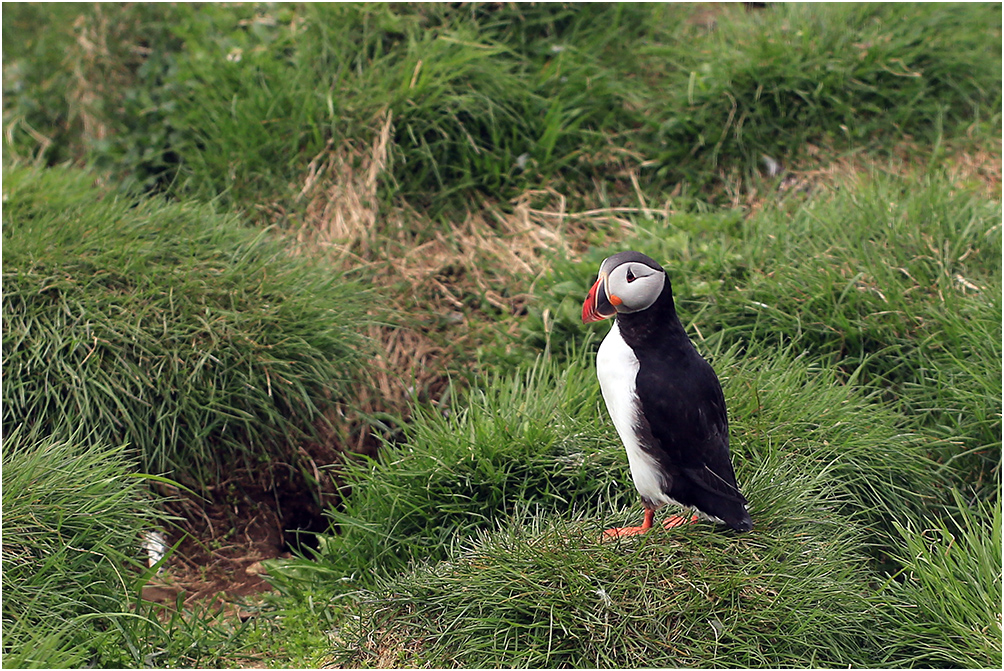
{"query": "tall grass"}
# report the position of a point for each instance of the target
(73, 516)
(834, 483)
(770, 83)
(952, 573)
(201, 344)
(493, 99)
(890, 279)
(72, 522)
(829, 476)
(899, 279)
(856, 329)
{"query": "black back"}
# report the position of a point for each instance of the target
(684, 424)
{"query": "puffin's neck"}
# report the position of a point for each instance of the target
(655, 328)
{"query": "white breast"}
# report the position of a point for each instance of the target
(617, 370)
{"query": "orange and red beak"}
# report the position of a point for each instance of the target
(598, 306)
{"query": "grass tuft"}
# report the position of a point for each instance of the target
(542, 592)
(72, 524)
(540, 441)
(199, 343)
(764, 86)
(952, 573)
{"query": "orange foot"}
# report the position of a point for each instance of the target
(677, 521)
(618, 532)
(671, 522)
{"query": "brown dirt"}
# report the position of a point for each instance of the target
(225, 534)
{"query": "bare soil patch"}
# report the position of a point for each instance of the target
(226, 533)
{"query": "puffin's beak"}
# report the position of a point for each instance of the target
(597, 306)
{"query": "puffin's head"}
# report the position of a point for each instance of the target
(627, 282)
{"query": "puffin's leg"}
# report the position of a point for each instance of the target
(678, 521)
(617, 532)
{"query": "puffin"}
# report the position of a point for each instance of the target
(664, 399)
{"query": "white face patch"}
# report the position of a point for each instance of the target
(617, 370)
(635, 286)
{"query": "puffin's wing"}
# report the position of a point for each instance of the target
(710, 466)
(690, 430)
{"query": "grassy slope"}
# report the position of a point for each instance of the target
(200, 343)
(72, 572)
(372, 131)
(521, 575)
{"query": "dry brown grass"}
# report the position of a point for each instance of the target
(104, 59)
(824, 168)
(340, 192)
(454, 288)
(981, 167)
(450, 287)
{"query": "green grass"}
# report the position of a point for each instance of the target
(460, 576)
(952, 575)
(202, 344)
(957, 394)
(72, 524)
(854, 320)
(893, 281)
(36, 81)
(292, 633)
(769, 83)
(576, 91)
(544, 593)
(71, 516)
(464, 106)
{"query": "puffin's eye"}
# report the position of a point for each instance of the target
(630, 276)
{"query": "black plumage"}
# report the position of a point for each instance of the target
(663, 397)
(683, 422)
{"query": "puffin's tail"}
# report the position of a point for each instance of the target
(723, 501)
(732, 513)
(742, 522)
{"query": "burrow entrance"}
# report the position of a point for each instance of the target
(228, 529)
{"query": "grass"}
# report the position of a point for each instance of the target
(540, 593)
(951, 572)
(887, 280)
(490, 100)
(73, 515)
(773, 83)
(65, 538)
(305, 223)
(540, 441)
(824, 468)
(530, 585)
(530, 440)
(200, 343)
